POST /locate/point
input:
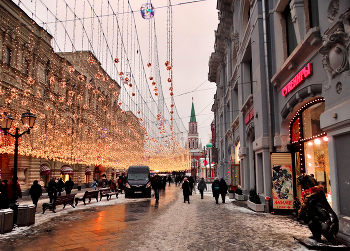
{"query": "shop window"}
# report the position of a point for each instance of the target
(311, 120)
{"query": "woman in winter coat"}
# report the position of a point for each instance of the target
(202, 186)
(186, 190)
(35, 192)
(216, 189)
(223, 189)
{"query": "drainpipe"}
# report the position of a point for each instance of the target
(267, 78)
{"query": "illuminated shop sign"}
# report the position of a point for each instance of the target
(249, 116)
(298, 79)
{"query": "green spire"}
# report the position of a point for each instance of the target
(193, 113)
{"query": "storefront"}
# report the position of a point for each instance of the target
(45, 173)
(87, 175)
(309, 145)
(66, 173)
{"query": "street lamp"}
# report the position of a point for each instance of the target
(28, 120)
(209, 146)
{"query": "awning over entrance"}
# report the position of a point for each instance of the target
(45, 171)
(67, 170)
(87, 171)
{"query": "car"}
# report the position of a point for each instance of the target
(138, 183)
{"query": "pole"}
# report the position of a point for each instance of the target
(209, 165)
(15, 160)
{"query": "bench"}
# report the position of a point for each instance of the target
(87, 195)
(107, 192)
(60, 200)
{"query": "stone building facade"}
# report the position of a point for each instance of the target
(73, 98)
(282, 74)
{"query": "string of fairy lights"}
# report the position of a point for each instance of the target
(96, 101)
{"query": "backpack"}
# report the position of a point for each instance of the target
(216, 186)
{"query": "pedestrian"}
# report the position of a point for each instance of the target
(112, 184)
(191, 181)
(186, 190)
(94, 184)
(202, 186)
(216, 189)
(59, 186)
(169, 179)
(35, 192)
(156, 185)
(104, 180)
(223, 189)
(68, 186)
(52, 190)
(79, 183)
(10, 191)
(4, 198)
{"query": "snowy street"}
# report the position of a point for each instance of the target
(141, 224)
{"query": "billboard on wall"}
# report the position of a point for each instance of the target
(282, 181)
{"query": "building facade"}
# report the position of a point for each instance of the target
(79, 120)
(282, 71)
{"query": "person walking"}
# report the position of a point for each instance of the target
(186, 190)
(156, 185)
(10, 191)
(216, 189)
(94, 184)
(41, 183)
(202, 186)
(191, 182)
(68, 186)
(79, 183)
(59, 186)
(35, 192)
(52, 190)
(223, 189)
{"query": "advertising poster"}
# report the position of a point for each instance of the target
(282, 186)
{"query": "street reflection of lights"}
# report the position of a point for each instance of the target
(310, 143)
(317, 141)
(309, 156)
(325, 138)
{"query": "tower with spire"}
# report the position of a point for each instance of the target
(193, 142)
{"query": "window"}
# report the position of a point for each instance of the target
(25, 66)
(313, 13)
(8, 56)
(291, 36)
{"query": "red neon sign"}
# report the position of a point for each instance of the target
(298, 79)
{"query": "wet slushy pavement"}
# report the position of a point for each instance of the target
(141, 224)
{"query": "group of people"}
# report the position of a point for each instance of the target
(6, 193)
(219, 187)
(57, 186)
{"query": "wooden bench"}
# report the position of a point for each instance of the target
(87, 195)
(60, 200)
(107, 192)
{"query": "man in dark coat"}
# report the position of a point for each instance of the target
(10, 191)
(216, 189)
(59, 186)
(68, 186)
(223, 189)
(52, 190)
(202, 186)
(191, 181)
(186, 190)
(156, 185)
(35, 192)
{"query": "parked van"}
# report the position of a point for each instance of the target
(138, 183)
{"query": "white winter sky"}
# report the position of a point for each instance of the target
(194, 23)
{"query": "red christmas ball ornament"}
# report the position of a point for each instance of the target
(116, 60)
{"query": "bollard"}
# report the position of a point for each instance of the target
(26, 215)
(267, 204)
(31, 214)
(6, 220)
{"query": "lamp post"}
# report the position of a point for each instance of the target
(28, 120)
(209, 146)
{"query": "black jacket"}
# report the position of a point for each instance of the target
(186, 188)
(35, 191)
(223, 186)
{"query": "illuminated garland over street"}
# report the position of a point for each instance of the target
(84, 114)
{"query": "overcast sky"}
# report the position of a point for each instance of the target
(193, 42)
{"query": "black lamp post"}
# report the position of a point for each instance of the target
(209, 146)
(28, 120)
